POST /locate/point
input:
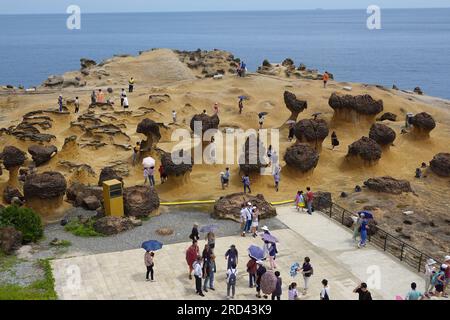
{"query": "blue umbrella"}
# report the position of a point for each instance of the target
(256, 252)
(151, 245)
(209, 228)
(269, 238)
(242, 97)
(367, 214)
(294, 268)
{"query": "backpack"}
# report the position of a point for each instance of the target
(232, 278)
(435, 280)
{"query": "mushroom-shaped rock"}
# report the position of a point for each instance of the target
(11, 192)
(423, 123)
(441, 164)
(388, 116)
(294, 105)
(140, 201)
(382, 134)
(252, 159)
(388, 185)
(42, 154)
(13, 157)
(301, 157)
(313, 131)
(229, 207)
(346, 107)
(172, 169)
(150, 129)
(108, 173)
(47, 185)
(365, 148)
(205, 122)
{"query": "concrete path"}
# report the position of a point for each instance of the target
(120, 275)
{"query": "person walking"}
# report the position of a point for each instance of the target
(246, 183)
(363, 231)
(278, 288)
(269, 155)
(216, 108)
(225, 178)
(261, 121)
(100, 96)
(125, 103)
(309, 199)
(122, 96)
(231, 281)
(356, 227)
(174, 116)
(259, 273)
(438, 280)
(149, 263)
(307, 271)
(249, 218)
(149, 176)
(270, 250)
(363, 293)
(211, 240)
(243, 219)
(300, 201)
(162, 174)
(93, 98)
(194, 233)
(277, 177)
(210, 269)
(252, 267)
(334, 140)
(198, 274)
(131, 85)
(414, 294)
(60, 103)
(325, 292)
(191, 256)
(326, 78)
(447, 275)
(136, 150)
(231, 256)
(293, 293)
(429, 272)
(77, 105)
(241, 104)
(255, 221)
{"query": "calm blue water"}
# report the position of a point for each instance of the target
(413, 48)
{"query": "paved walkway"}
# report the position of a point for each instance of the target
(120, 275)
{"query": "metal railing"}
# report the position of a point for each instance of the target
(381, 238)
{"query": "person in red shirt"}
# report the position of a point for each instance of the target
(162, 174)
(326, 78)
(191, 256)
(309, 199)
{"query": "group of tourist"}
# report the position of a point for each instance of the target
(303, 201)
(249, 217)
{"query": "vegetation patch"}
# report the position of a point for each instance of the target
(24, 220)
(82, 229)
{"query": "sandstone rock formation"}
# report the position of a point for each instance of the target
(388, 185)
(10, 239)
(151, 130)
(423, 123)
(322, 200)
(77, 193)
(312, 131)
(207, 122)
(10, 193)
(42, 154)
(294, 105)
(301, 157)
(441, 164)
(252, 158)
(173, 169)
(388, 116)
(382, 134)
(47, 185)
(12, 157)
(140, 201)
(229, 207)
(351, 108)
(366, 149)
(108, 173)
(112, 225)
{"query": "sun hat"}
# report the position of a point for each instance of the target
(444, 266)
(430, 262)
(259, 262)
(265, 228)
(447, 258)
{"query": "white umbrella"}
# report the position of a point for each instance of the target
(148, 162)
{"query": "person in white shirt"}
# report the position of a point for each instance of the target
(198, 274)
(325, 292)
(174, 116)
(243, 219)
(231, 281)
(125, 102)
(248, 224)
(122, 97)
(429, 271)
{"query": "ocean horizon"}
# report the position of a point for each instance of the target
(410, 50)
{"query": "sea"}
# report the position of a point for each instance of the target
(411, 48)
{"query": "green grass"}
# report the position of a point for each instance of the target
(63, 244)
(43, 289)
(82, 230)
(7, 262)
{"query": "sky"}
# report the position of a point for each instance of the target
(90, 6)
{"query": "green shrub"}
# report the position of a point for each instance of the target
(82, 230)
(24, 220)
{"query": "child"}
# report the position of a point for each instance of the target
(278, 291)
(325, 293)
(293, 293)
(231, 281)
(300, 201)
(414, 294)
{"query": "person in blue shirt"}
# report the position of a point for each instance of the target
(363, 232)
(414, 294)
(246, 182)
